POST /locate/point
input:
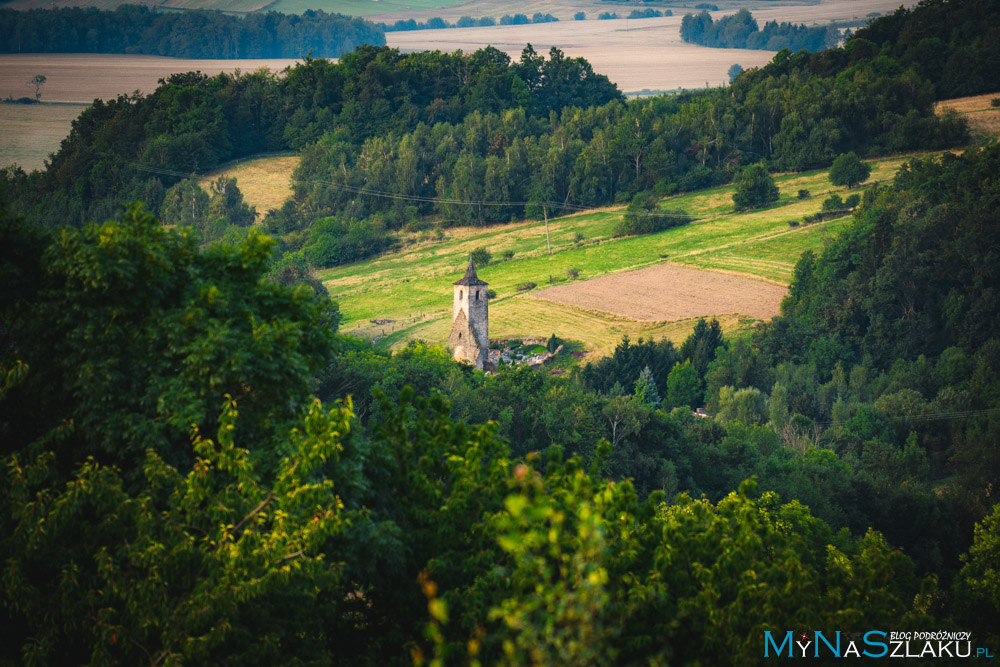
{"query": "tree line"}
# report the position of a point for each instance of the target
(741, 31)
(318, 499)
(188, 34)
(438, 23)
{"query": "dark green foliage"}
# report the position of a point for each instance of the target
(645, 389)
(849, 170)
(480, 256)
(579, 16)
(740, 31)
(833, 203)
(803, 194)
(332, 242)
(524, 287)
(852, 201)
(192, 33)
(754, 188)
(515, 19)
(647, 13)
(628, 361)
(684, 386)
(703, 343)
(122, 312)
(734, 71)
(643, 217)
(951, 43)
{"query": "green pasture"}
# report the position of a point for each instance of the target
(413, 286)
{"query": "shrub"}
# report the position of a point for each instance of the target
(833, 203)
(852, 201)
(849, 170)
(604, 16)
(803, 194)
(481, 256)
(642, 217)
(793, 223)
(572, 274)
(754, 188)
(491, 294)
(579, 16)
(524, 287)
(506, 255)
(995, 102)
(578, 237)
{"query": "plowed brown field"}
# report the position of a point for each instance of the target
(667, 292)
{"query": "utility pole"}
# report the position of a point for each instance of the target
(545, 212)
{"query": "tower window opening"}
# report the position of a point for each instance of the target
(459, 294)
(460, 335)
(477, 295)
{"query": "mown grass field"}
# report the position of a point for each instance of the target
(413, 287)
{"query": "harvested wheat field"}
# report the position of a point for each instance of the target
(978, 111)
(636, 54)
(82, 78)
(667, 292)
(266, 182)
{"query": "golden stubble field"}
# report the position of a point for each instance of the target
(978, 111)
(637, 54)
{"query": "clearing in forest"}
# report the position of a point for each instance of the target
(667, 292)
(977, 110)
(266, 182)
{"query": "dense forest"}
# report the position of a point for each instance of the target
(187, 34)
(740, 31)
(208, 509)
(199, 468)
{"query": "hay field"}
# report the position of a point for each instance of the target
(29, 133)
(82, 78)
(983, 118)
(636, 54)
(266, 182)
(412, 287)
(667, 292)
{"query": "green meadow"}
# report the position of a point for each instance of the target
(410, 291)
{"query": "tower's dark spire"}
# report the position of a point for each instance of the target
(470, 277)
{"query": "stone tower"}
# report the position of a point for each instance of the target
(469, 338)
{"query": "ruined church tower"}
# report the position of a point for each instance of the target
(469, 338)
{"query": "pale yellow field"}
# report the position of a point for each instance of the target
(266, 182)
(983, 118)
(29, 133)
(82, 78)
(636, 54)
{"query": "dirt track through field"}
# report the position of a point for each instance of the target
(667, 292)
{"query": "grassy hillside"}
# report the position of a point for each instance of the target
(265, 182)
(412, 287)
